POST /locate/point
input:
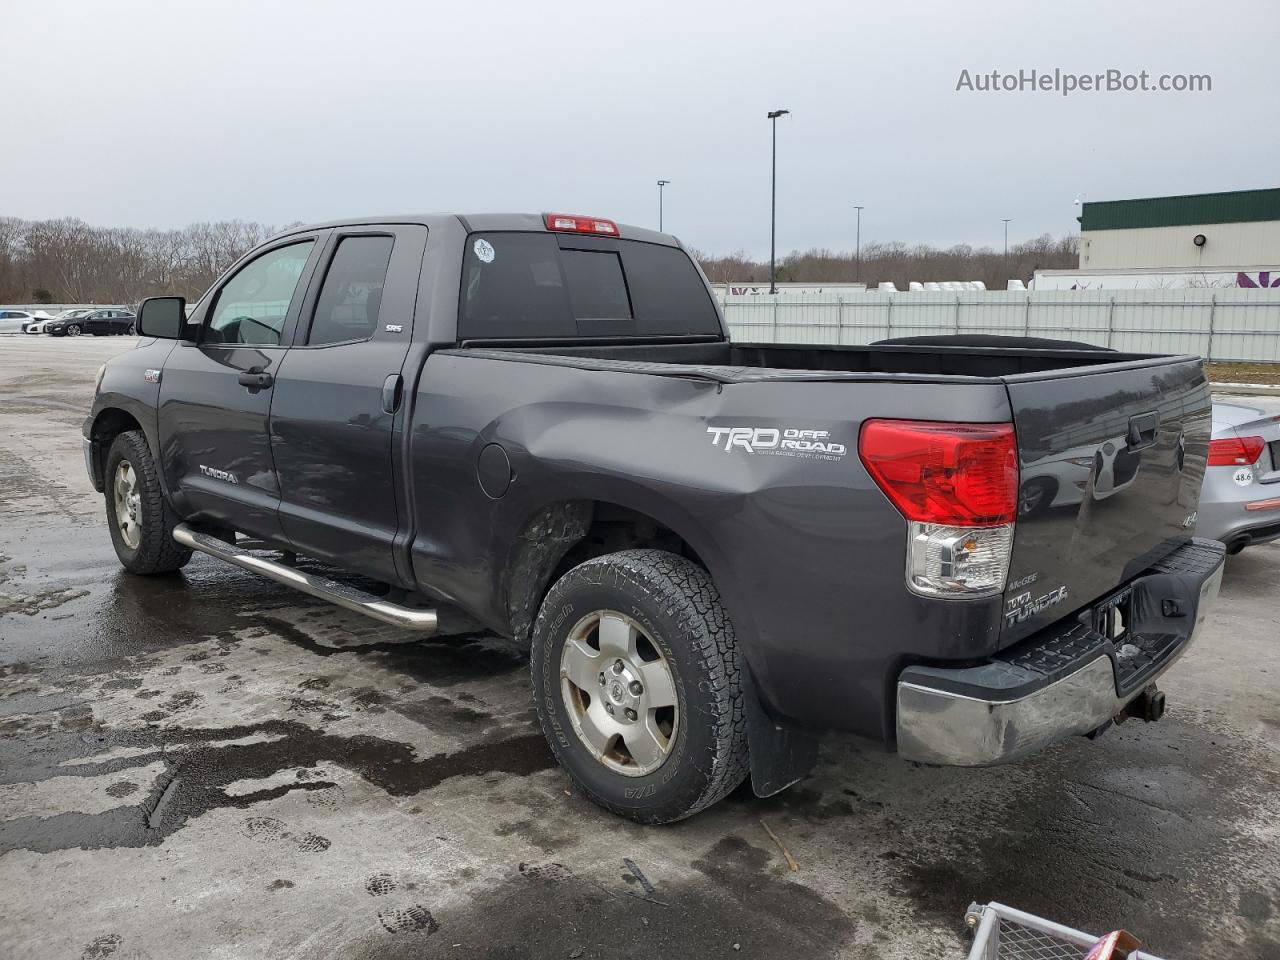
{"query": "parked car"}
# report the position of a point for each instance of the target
(97, 322)
(712, 549)
(14, 321)
(43, 319)
(1240, 503)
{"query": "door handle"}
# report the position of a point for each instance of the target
(392, 392)
(255, 379)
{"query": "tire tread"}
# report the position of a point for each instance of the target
(691, 598)
(158, 552)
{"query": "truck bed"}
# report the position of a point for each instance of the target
(748, 362)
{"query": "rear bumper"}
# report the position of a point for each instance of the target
(1067, 680)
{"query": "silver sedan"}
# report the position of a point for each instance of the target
(1240, 500)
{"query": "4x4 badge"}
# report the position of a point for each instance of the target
(151, 376)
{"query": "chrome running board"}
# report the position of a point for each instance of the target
(347, 597)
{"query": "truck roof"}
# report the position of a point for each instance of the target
(476, 222)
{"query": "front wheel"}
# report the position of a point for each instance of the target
(140, 520)
(73, 330)
(638, 685)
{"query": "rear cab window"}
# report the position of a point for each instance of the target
(551, 286)
(351, 294)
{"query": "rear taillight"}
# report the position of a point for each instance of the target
(965, 474)
(1235, 451)
(569, 223)
(957, 484)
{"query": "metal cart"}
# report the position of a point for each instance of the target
(1002, 933)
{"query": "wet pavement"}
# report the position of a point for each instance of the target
(206, 764)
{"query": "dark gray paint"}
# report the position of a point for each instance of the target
(809, 555)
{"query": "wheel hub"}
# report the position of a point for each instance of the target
(624, 691)
(619, 692)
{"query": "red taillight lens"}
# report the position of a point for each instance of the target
(568, 223)
(958, 474)
(1235, 451)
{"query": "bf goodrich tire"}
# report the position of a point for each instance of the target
(638, 685)
(138, 517)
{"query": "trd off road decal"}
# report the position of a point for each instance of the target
(779, 442)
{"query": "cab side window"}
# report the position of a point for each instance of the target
(351, 296)
(252, 306)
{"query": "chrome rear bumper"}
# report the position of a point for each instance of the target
(972, 728)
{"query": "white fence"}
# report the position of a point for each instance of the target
(1218, 324)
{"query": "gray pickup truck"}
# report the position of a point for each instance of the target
(714, 550)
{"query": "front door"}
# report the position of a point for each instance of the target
(338, 406)
(215, 393)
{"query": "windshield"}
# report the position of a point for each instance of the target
(70, 314)
(544, 285)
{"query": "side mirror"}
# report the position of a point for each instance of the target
(162, 317)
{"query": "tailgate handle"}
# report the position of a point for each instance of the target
(1142, 429)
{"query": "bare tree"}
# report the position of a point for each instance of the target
(901, 264)
(73, 262)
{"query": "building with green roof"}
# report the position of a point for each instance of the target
(1203, 231)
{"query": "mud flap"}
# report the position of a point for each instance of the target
(781, 754)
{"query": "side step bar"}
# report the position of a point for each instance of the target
(423, 621)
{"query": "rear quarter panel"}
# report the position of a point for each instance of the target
(808, 554)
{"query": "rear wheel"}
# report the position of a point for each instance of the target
(637, 682)
(140, 521)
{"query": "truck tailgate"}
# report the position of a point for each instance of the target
(1111, 464)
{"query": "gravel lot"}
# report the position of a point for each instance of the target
(209, 765)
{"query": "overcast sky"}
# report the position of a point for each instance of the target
(160, 114)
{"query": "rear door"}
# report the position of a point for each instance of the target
(215, 394)
(1111, 466)
(339, 398)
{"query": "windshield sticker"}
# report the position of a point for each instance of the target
(1243, 476)
(778, 442)
(484, 251)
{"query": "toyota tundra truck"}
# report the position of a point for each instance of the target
(713, 550)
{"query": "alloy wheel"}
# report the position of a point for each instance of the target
(128, 504)
(619, 692)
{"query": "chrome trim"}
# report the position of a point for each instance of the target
(951, 729)
(347, 597)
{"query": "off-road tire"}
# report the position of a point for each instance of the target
(678, 606)
(157, 551)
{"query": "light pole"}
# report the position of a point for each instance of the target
(773, 201)
(661, 184)
(1006, 251)
(857, 250)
